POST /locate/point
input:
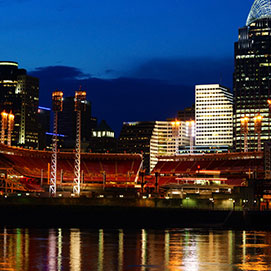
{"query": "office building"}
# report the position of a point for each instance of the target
(67, 124)
(252, 76)
(135, 137)
(19, 94)
(214, 115)
(187, 114)
(152, 139)
(44, 116)
(103, 139)
(166, 139)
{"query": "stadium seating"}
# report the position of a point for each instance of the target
(118, 168)
(235, 167)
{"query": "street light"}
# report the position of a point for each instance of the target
(176, 133)
(10, 127)
(79, 106)
(258, 128)
(244, 129)
(57, 106)
(7, 123)
(4, 117)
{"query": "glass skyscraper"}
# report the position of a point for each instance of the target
(252, 76)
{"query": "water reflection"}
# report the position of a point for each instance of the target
(121, 250)
(144, 250)
(59, 247)
(101, 250)
(75, 250)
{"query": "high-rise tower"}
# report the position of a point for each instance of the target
(67, 123)
(252, 77)
(213, 115)
(19, 94)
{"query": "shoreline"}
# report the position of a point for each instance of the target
(112, 213)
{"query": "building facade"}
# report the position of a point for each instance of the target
(152, 139)
(67, 124)
(103, 139)
(135, 137)
(166, 139)
(19, 94)
(44, 116)
(252, 76)
(214, 115)
(187, 114)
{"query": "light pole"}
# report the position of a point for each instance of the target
(10, 127)
(176, 133)
(4, 118)
(258, 129)
(79, 106)
(244, 129)
(57, 99)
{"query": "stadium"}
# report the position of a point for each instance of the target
(29, 171)
(206, 173)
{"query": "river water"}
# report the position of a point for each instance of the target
(123, 250)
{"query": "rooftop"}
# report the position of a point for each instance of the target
(260, 9)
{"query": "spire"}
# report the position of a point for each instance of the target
(260, 9)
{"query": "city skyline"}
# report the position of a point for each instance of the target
(157, 47)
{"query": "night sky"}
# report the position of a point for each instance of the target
(137, 60)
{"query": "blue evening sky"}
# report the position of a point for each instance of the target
(117, 35)
(177, 41)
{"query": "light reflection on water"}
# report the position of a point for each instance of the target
(136, 250)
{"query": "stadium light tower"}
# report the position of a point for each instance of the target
(190, 131)
(10, 127)
(244, 128)
(79, 106)
(176, 133)
(57, 102)
(258, 129)
(4, 117)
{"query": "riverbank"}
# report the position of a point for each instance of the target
(124, 213)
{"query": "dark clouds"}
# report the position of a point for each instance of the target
(117, 100)
(155, 90)
(59, 73)
(187, 71)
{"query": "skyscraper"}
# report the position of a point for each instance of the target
(252, 76)
(19, 94)
(187, 114)
(135, 137)
(152, 139)
(214, 115)
(167, 137)
(103, 139)
(67, 123)
(44, 116)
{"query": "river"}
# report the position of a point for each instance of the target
(122, 250)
